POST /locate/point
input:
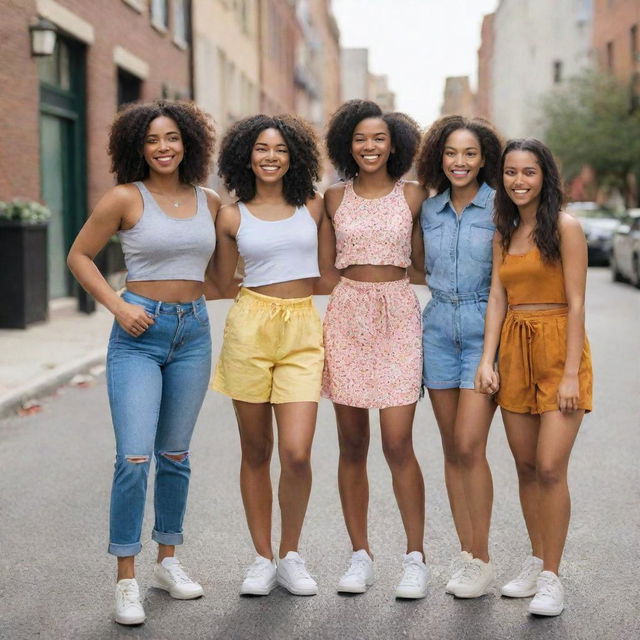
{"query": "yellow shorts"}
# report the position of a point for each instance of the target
(272, 350)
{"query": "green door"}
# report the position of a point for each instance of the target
(62, 166)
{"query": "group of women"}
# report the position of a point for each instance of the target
(506, 268)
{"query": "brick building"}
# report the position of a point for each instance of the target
(56, 110)
(485, 60)
(458, 97)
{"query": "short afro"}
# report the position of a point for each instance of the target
(429, 163)
(404, 131)
(234, 161)
(128, 132)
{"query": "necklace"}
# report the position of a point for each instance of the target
(175, 203)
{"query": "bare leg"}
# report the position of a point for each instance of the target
(126, 567)
(522, 433)
(396, 425)
(256, 442)
(557, 434)
(353, 484)
(472, 421)
(296, 426)
(445, 408)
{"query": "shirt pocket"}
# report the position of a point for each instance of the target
(481, 242)
(433, 235)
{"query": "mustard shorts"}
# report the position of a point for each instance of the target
(533, 350)
(272, 350)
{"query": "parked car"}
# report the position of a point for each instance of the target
(598, 224)
(625, 257)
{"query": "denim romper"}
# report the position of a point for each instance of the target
(458, 257)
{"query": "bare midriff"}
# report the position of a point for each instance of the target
(302, 288)
(374, 272)
(538, 307)
(175, 291)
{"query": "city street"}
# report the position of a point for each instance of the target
(57, 579)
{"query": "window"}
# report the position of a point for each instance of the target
(135, 4)
(610, 56)
(129, 88)
(633, 36)
(160, 14)
(181, 22)
(557, 71)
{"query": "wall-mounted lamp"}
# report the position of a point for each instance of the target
(43, 37)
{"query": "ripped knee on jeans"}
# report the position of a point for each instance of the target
(176, 456)
(137, 459)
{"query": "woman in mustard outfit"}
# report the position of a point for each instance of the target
(544, 379)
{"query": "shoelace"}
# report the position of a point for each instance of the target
(547, 588)
(412, 573)
(257, 569)
(357, 566)
(129, 595)
(526, 572)
(470, 572)
(177, 573)
(299, 569)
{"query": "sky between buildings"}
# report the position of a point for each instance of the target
(417, 43)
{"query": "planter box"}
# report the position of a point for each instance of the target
(23, 274)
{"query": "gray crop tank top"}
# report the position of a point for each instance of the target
(160, 247)
(277, 250)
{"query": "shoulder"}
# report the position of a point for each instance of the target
(333, 197)
(570, 229)
(415, 194)
(315, 206)
(213, 199)
(120, 200)
(228, 218)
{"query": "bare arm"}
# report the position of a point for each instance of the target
(211, 291)
(415, 195)
(223, 265)
(486, 380)
(573, 252)
(329, 275)
(105, 220)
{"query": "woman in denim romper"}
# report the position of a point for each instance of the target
(159, 358)
(459, 159)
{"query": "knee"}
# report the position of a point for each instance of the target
(398, 451)
(354, 450)
(549, 475)
(469, 452)
(295, 462)
(257, 454)
(527, 471)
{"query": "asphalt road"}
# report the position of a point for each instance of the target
(57, 580)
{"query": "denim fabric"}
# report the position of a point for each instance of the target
(458, 255)
(157, 383)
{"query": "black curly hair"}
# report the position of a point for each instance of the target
(129, 129)
(429, 163)
(234, 161)
(546, 234)
(404, 131)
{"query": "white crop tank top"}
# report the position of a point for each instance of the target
(160, 247)
(277, 250)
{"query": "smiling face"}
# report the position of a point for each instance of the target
(270, 156)
(371, 144)
(163, 147)
(522, 177)
(462, 158)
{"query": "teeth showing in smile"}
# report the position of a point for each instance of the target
(269, 169)
(370, 158)
(164, 159)
(459, 172)
(520, 192)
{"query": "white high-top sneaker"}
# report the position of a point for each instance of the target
(549, 598)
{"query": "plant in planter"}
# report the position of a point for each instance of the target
(23, 263)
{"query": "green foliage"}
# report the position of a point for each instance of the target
(24, 211)
(590, 122)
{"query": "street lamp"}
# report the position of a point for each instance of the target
(43, 37)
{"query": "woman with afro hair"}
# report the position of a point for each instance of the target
(272, 353)
(372, 326)
(458, 160)
(159, 356)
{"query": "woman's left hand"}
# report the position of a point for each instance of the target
(568, 393)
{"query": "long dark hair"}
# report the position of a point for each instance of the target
(429, 162)
(546, 235)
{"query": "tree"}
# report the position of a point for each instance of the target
(592, 121)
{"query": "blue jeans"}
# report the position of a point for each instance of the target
(157, 383)
(452, 339)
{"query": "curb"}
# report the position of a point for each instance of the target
(47, 382)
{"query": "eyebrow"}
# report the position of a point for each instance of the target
(466, 148)
(168, 133)
(509, 166)
(379, 133)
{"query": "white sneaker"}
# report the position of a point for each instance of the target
(261, 577)
(170, 576)
(128, 606)
(525, 584)
(549, 598)
(294, 577)
(475, 579)
(457, 569)
(359, 575)
(414, 578)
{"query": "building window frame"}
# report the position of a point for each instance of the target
(557, 71)
(136, 5)
(160, 15)
(181, 23)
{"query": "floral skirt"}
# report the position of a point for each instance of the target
(373, 345)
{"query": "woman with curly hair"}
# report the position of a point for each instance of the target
(272, 353)
(159, 356)
(544, 379)
(458, 159)
(372, 326)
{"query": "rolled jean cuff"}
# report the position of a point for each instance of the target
(124, 550)
(167, 538)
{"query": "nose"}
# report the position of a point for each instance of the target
(368, 144)
(272, 153)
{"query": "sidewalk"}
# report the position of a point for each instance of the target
(37, 360)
